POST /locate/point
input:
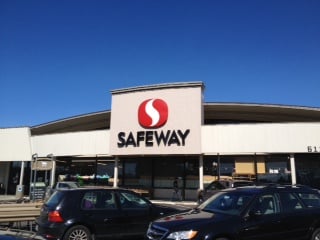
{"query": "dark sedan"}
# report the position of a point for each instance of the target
(92, 213)
(247, 213)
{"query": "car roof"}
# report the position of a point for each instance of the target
(273, 188)
(90, 188)
(67, 182)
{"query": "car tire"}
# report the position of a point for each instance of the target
(316, 234)
(78, 232)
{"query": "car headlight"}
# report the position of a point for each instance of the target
(182, 235)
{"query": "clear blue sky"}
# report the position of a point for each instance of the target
(60, 58)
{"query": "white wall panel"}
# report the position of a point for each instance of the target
(68, 144)
(15, 144)
(260, 138)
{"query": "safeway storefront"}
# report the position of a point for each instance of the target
(154, 126)
(157, 133)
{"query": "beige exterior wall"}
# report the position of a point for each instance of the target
(89, 143)
(237, 139)
(15, 144)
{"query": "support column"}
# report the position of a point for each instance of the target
(293, 170)
(116, 168)
(201, 172)
(255, 166)
(53, 172)
(21, 173)
(218, 167)
(20, 187)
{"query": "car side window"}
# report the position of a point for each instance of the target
(99, 200)
(89, 200)
(132, 201)
(106, 200)
(289, 202)
(266, 204)
(310, 199)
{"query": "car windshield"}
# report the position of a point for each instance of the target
(229, 202)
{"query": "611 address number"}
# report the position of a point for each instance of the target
(313, 149)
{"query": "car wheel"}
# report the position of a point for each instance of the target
(316, 234)
(78, 233)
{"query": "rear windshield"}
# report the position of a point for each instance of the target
(55, 199)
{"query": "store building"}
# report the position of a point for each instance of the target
(154, 134)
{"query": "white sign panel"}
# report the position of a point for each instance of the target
(156, 120)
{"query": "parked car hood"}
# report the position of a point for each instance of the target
(194, 218)
(163, 210)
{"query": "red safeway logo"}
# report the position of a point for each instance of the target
(153, 113)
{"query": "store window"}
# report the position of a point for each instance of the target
(88, 171)
(277, 169)
(215, 167)
(192, 173)
(186, 170)
(14, 178)
(308, 169)
(136, 172)
(166, 170)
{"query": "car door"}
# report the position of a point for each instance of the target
(297, 218)
(137, 213)
(263, 220)
(101, 211)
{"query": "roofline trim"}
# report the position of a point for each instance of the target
(70, 118)
(261, 105)
(159, 86)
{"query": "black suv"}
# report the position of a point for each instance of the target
(91, 213)
(253, 212)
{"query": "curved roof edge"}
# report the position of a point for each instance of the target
(214, 113)
(84, 122)
(263, 105)
(159, 86)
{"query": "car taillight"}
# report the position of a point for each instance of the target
(55, 216)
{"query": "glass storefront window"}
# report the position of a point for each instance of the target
(85, 171)
(308, 169)
(166, 170)
(215, 167)
(185, 169)
(277, 169)
(136, 172)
